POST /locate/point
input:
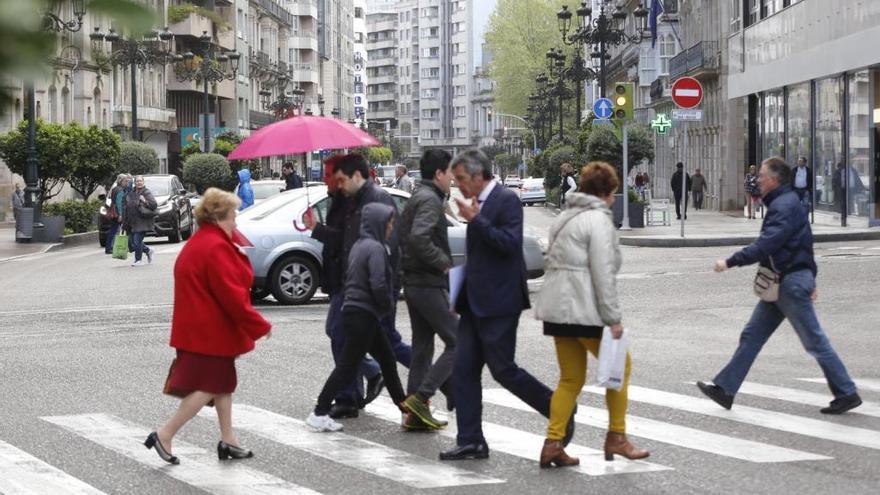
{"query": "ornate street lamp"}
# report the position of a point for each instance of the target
(153, 49)
(607, 29)
(208, 66)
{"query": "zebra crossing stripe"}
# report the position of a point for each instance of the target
(790, 423)
(803, 397)
(526, 445)
(198, 467)
(863, 383)
(364, 455)
(681, 436)
(24, 474)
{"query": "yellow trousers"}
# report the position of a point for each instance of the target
(571, 352)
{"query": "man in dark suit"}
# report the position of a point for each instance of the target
(492, 296)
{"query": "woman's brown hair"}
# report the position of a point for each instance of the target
(599, 179)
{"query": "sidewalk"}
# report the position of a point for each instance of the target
(711, 228)
(9, 249)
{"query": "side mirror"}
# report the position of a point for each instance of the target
(102, 197)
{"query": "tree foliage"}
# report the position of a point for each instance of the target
(93, 155)
(204, 170)
(604, 145)
(379, 155)
(51, 155)
(224, 144)
(519, 34)
(505, 164)
(137, 158)
(79, 216)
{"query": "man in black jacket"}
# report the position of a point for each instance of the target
(802, 181)
(291, 178)
(786, 247)
(426, 260)
(677, 192)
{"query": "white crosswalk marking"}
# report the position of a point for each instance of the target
(803, 397)
(197, 467)
(681, 436)
(24, 474)
(862, 383)
(367, 456)
(758, 417)
(526, 445)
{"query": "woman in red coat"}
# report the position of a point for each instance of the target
(213, 323)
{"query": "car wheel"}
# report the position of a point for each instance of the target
(174, 236)
(186, 234)
(294, 280)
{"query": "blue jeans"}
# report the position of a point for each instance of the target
(111, 235)
(136, 245)
(795, 304)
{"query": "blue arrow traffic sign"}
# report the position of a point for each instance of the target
(602, 108)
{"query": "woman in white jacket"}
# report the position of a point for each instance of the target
(578, 299)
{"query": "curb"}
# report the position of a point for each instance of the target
(673, 242)
(72, 240)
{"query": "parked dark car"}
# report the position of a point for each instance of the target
(174, 219)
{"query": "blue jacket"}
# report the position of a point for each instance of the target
(786, 236)
(245, 191)
(495, 273)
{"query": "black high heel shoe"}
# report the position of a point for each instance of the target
(153, 442)
(226, 451)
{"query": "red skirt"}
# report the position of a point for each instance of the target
(199, 372)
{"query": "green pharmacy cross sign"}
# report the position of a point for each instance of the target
(661, 124)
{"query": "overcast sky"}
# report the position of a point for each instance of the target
(482, 10)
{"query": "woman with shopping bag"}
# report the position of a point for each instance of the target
(578, 300)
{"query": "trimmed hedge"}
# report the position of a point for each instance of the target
(204, 170)
(79, 216)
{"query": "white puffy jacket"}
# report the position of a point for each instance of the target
(581, 265)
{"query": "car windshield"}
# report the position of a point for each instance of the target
(266, 189)
(280, 201)
(159, 186)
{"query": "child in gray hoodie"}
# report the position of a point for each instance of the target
(368, 297)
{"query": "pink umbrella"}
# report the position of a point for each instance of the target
(301, 134)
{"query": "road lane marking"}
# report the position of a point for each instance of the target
(862, 383)
(690, 438)
(803, 397)
(24, 474)
(364, 455)
(790, 423)
(198, 467)
(526, 445)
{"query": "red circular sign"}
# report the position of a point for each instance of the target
(687, 92)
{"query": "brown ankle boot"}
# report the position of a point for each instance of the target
(552, 453)
(617, 443)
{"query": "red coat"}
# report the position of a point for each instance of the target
(213, 314)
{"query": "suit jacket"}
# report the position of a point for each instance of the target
(495, 273)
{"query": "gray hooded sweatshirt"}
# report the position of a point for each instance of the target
(368, 282)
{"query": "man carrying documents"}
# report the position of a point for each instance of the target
(426, 261)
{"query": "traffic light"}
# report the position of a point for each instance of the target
(623, 101)
(489, 115)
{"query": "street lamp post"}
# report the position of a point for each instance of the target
(154, 48)
(607, 29)
(213, 67)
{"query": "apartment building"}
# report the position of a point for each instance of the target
(360, 63)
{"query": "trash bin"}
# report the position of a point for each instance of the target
(24, 226)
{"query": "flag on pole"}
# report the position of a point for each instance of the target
(656, 10)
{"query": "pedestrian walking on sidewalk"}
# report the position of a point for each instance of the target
(753, 192)
(139, 214)
(699, 187)
(491, 298)
(402, 179)
(213, 323)
(677, 191)
(245, 190)
(116, 210)
(368, 297)
(426, 260)
(351, 398)
(784, 246)
(569, 184)
(578, 299)
(17, 201)
(292, 180)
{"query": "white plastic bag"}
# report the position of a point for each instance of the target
(612, 359)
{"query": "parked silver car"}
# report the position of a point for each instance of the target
(531, 191)
(286, 260)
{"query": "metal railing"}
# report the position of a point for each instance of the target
(703, 55)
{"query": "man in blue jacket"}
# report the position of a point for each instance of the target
(492, 296)
(786, 247)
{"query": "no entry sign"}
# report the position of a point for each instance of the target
(687, 92)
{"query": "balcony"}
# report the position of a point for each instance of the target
(304, 8)
(275, 10)
(159, 119)
(382, 79)
(382, 62)
(305, 73)
(194, 25)
(380, 26)
(225, 89)
(698, 60)
(304, 40)
(381, 44)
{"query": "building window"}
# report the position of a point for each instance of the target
(829, 153)
(799, 107)
(667, 51)
(860, 116)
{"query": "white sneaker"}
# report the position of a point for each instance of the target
(138, 263)
(149, 257)
(323, 423)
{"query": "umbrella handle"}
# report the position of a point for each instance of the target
(296, 224)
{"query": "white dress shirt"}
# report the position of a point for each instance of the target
(800, 178)
(486, 192)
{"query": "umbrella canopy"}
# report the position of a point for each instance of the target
(302, 134)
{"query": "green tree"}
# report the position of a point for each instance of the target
(492, 151)
(604, 145)
(137, 158)
(224, 144)
(204, 170)
(379, 155)
(94, 155)
(51, 155)
(505, 164)
(519, 34)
